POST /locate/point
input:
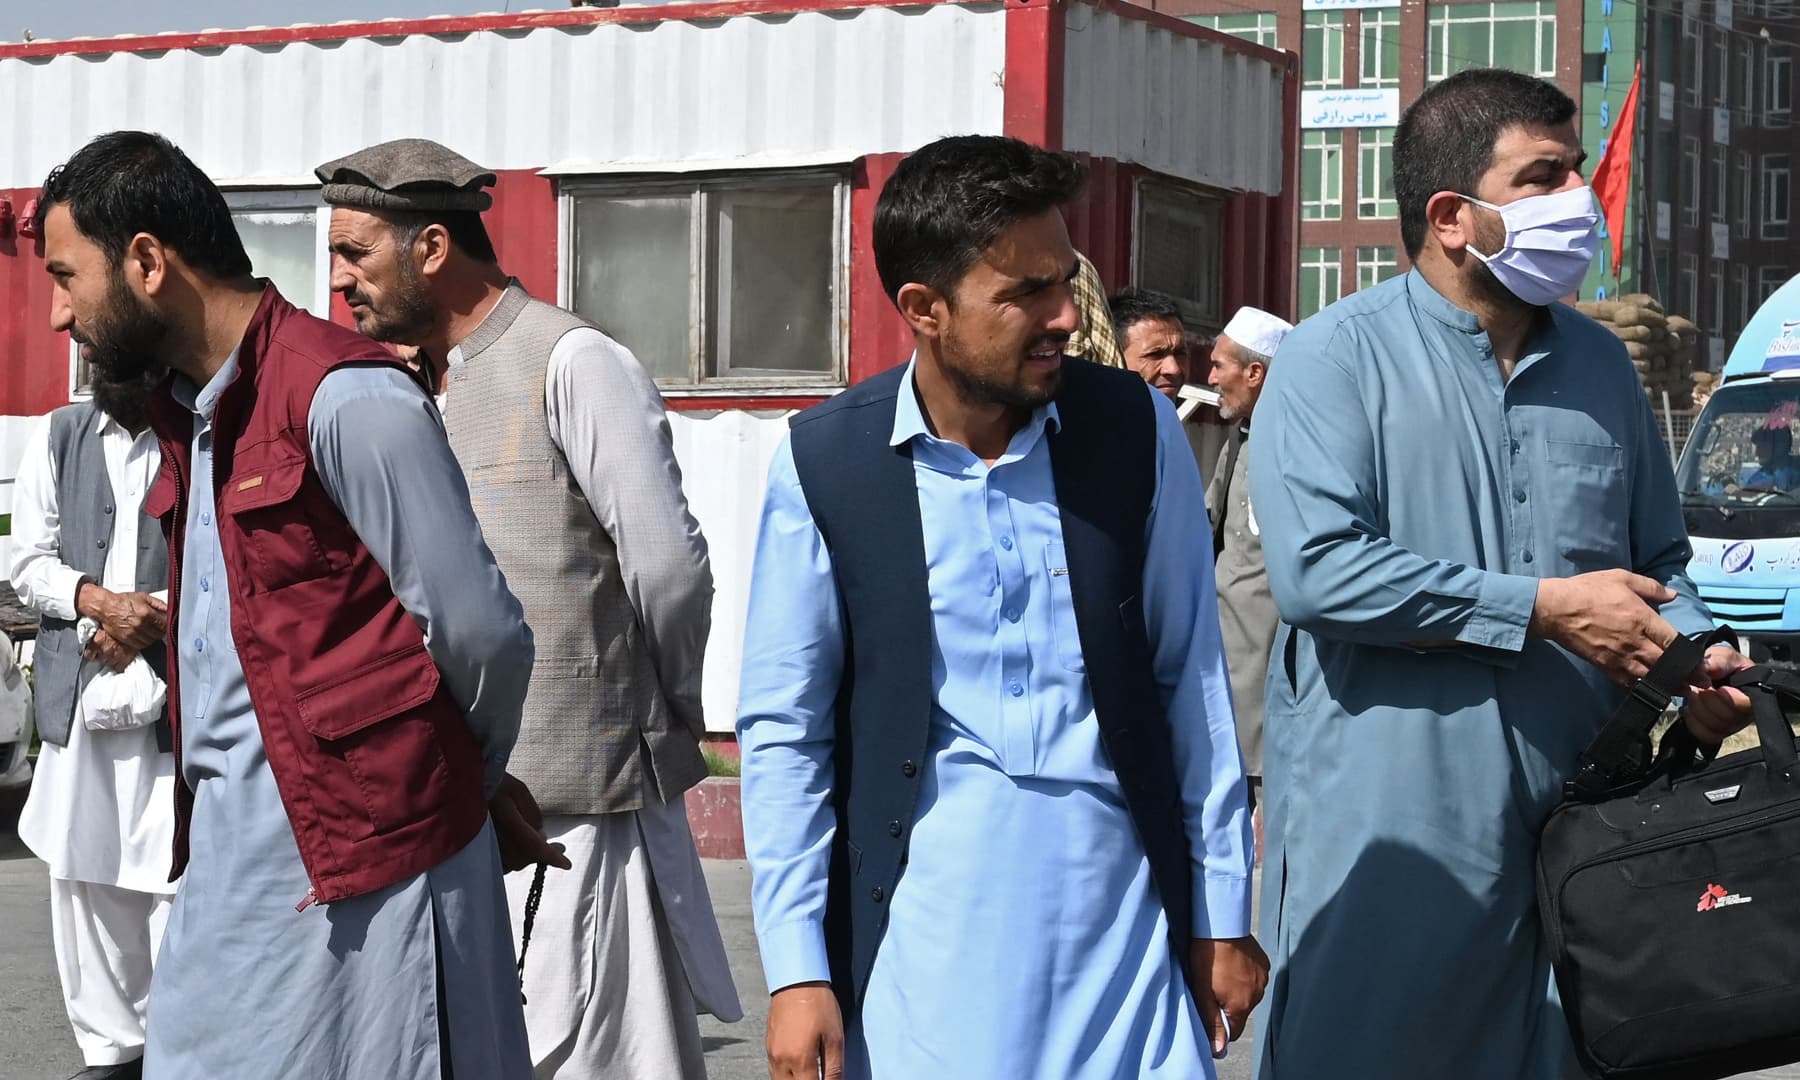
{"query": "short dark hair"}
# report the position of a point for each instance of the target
(1445, 141)
(1132, 305)
(949, 200)
(129, 182)
(467, 233)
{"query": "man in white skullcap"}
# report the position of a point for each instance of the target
(1247, 614)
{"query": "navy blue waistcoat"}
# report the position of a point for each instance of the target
(864, 499)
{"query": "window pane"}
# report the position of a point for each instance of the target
(631, 276)
(774, 280)
(1471, 45)
(1515, 45)
(283, 246)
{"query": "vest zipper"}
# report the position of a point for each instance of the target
(311, 898)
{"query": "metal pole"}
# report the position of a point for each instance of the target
(1669, 427)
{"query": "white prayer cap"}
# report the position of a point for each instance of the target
(1257, 330)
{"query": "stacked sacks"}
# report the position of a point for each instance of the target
(1661, 345)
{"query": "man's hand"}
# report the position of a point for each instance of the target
(135, 620)
(1227, 977)
(107, 650)
(519, 828)
(806, 1033)
(1714, 710)
(1607, 618)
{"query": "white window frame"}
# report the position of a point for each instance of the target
(242, 200)
(1717, 314)
(1325, 29)
(1437, 37)
(1370, 263)
(1385, 25)
(1775, 221)
(1192, 206)
(1690, 286)
(1379, 144)
(1319, 140)
(1768, 279)
(1262, 33)
(1778, 77)
(1745, 200)
(1693, 48)
(697, 383)
(1690, 175)
(1722, 74)
(1740, 280)
(1746, 107)
(1721, 170)
(1331, 261)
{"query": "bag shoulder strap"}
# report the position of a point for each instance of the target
(1620, 753)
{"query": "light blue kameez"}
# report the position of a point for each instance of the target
(246, 986)
(1024, 938)
(1417, 737)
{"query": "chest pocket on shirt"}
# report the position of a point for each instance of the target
(1592, 523)
(265, 501)
(1062, 609)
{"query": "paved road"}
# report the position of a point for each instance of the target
(35, 1043)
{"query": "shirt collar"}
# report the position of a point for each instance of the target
(1433, 303)
(203, 400)
(909, 418)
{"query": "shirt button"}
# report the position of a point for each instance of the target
(1012, 614)
(894, 828)
(205, 518)
(107, 509)
(1528, 556)
(206, 585)
(1515, 446)
(1519, 496)
(909, 770)
(100, 543)
(1015, 689)
(199, 644)
(1006, 543)
(877, 893)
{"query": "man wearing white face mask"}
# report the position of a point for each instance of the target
(1472, 535)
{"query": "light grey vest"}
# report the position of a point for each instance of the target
(85, 510)
(595, 716)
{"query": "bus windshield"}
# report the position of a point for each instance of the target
(1739, 476)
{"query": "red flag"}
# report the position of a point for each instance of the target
(1612, 177)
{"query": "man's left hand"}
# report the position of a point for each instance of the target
(1714, 710)
(519, 828)
(1227, 977)
(105, 649)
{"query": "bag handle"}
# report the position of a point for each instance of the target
(1619, 756)
(1765, 688)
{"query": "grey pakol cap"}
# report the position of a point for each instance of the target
(406, 174)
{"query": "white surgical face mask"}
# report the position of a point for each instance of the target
(1550, 243)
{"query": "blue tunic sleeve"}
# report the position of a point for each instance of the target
(1332, 570)
(1659, 539)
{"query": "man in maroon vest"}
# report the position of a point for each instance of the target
(347, 665)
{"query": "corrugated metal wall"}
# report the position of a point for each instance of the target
(820, 85)
(1193, 107)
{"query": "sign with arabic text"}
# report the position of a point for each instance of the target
(1375, 108)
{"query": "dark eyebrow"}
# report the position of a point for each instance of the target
(1033, 284)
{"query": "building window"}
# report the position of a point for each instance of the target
(1375, 265)
(1322, 49)
(1720, 327)
(1746, 67)
(1380, 47)
(1694, 52)
(1745, 209)
(1690, 171)
(1322, 176)
(1777, 196)
(1721, 183)
(1375, 174)
(1768, 279)
(1180, 249)
(728, 282)
(1321, 278)
(1256, 26)
(1778, 88)
(1690, 285)
(1520, 35)
(1721, 69)
(1740, 283)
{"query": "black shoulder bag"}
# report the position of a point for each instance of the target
(1669, 887)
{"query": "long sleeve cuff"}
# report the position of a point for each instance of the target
(59, 585)
(793, 952)
(1221, 907)
(1502, 613)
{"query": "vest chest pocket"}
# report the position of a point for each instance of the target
(394, 769)
(1062, 608)
(277, 525)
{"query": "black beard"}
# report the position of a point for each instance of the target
(128, 402)
(124, 340)
(979, 390)
(410, 312)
